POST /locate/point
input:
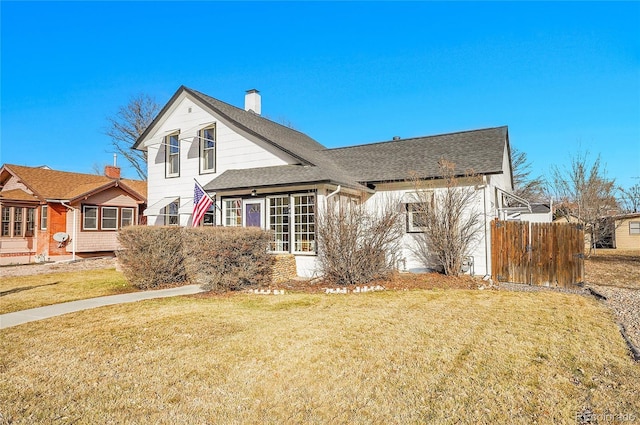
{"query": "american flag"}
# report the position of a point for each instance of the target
(201, 203)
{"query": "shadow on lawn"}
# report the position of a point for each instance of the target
(25, 288)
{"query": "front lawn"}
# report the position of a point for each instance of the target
(415, 356)
(23, 292)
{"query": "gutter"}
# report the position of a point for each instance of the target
(73, 237)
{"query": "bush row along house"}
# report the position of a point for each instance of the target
(55, 215)
(264, 174)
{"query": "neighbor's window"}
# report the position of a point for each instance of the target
(279, 213)
(304, 225)
(233, 212)
(90, 217)
(17, 221)
(417, 216)
(208, 150)
(634, 227)
(44, 211)
(31, 221)
(109, 219)
(126, 218)
(6, 221)
(172, 151)
(170, 213)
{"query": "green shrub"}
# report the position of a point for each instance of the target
(152, 256)
(227, 258)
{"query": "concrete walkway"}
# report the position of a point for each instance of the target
(19, 317)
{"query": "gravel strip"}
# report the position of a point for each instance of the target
(505, 286)
(58, 267)
(625, 303)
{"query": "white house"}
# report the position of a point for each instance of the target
(264, 174)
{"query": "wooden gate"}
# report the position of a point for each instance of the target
(546, 254)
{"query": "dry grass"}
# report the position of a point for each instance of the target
(452, 356)
(614, 267)
(23, 292)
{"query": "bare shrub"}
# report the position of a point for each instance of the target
(151, 256)
(227, 258)
(449, 222)
(357, 245)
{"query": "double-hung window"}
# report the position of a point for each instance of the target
(207, 137)
(44, 211)
(89, 217)
(109, 218)
(126, 217)
(634, 227)
(172, 155)
(31, 221)
(17, 221)
(5, 229)
(171, 217)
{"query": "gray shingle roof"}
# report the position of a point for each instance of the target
(480, 151)
(269, 176)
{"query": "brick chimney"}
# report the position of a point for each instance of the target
(252, 101)
(112, 172)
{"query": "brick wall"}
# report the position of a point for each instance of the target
(57, 222)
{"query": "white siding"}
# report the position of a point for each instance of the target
(234, 150)
(480, 251)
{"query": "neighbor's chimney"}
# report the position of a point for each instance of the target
(252, 101)
(112, 172)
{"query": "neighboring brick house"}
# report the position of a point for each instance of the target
(264, 174)
(86, 210)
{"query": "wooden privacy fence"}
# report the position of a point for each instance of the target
(546, 254)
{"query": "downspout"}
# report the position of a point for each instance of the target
(73, 238)
(487, 234)
(335, 192)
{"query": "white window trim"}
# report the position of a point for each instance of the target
(102, 218)
(225, 212)
(268, 214)
(259, 201)
(636, 230)
(133, 217)
(202, 141)
(166, 216)
(44, 217)
(314, 251)
(410, 227)
(84, 216)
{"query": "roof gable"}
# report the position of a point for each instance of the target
(53, 184)
(287, 140)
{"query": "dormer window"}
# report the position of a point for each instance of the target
(207, 137)
(172, 155)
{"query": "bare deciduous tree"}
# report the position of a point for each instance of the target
(584, 192)
(529, 188)
(357, 245)
(127, 125)
(450, 220)
(630, 198)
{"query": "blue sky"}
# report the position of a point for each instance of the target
(562, 75)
